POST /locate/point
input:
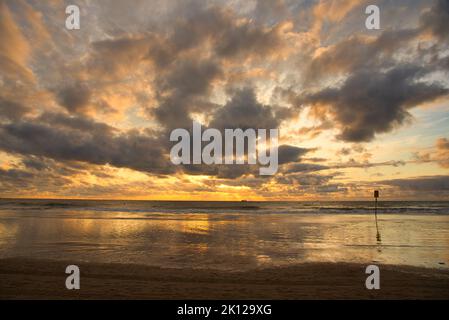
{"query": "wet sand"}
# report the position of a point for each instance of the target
(45, 279)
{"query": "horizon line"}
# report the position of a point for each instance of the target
(242, 200)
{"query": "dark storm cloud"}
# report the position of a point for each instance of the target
(359, 52)
(431, 183)
(379, 88)
(222, 171)
(11, 110)
(200, 25)
(77, 123)
(181, 91)
(188, 57)
(35, 163)
(161, 52)
(115, 58)
(244, 111)
(245, 38)
(46, 166)
(231, 37)
(355, 53)
(241, 111)
(186, 72)
(436, 19)
(370, 102)
(80, 139)
(75, 98)
(14, 174)
(190, 79)
(227, 34)
(286, 154)
(28, 181)
(289, 154)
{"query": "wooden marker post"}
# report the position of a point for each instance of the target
(376, 195)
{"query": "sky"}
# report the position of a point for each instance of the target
(88, 113)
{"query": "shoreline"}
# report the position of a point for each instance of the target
(22, 278)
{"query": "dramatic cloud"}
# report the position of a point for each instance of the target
(75, 138)
(230, 37)
(244, 111)
(115, 58)
(11, 110)
(435, 19)
(370, 103)
(90, 112)
(358, 53)
(181, 91)
(289, 154)
(75, 98)
(377, 85)
(433, 183)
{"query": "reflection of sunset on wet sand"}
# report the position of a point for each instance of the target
(215, 249)
(230, 239)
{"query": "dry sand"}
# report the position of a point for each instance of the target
(41, 279)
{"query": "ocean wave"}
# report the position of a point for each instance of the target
(173, 207)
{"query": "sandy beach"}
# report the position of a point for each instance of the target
(45, 279)
(209, 250)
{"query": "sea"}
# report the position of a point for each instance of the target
(234, 236)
